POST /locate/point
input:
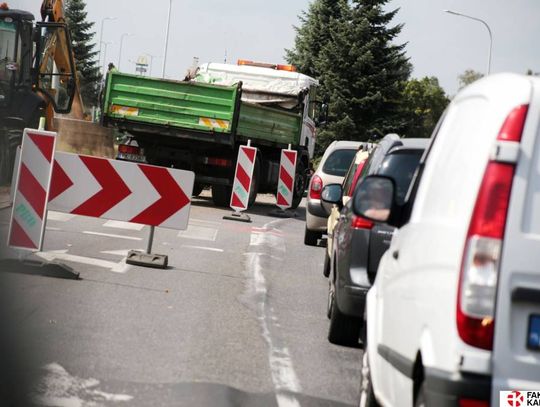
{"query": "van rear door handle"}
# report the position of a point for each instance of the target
(395, 254)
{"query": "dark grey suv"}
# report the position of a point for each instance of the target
(359, 244)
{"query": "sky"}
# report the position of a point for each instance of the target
(438, 44)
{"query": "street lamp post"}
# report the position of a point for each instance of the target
(489, 31)
(101, 37)
(121, 45)
(166, 40)
(106, 44)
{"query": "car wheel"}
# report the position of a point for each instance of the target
(326, 268)
(344, 330)
(367, 397)
(311, 238)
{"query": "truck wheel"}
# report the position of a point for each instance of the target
(221, 195)
(344, 330)
(254, 190)
(299, 185)
(197, 189)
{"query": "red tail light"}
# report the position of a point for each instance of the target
(218, 162)
(127, 149)
(361, 223)
(480, 264)
(473, 403)
(316, 187)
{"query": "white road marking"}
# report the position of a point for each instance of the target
(62, 255)
(53, 229)
(199, 233)
(59, 216)
(58, 388)
(283, 374)
(123, 225)
(86, 232)
(210, 249)
(204, 222)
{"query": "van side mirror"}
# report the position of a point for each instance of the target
(374, 198)
(331, 194)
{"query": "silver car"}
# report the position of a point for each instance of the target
(332, 169)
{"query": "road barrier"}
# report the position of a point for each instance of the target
(28, 215)
(96, 187)
(242, 182)
(287, 171)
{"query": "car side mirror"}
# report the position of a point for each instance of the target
(374, 198)
(331, 195)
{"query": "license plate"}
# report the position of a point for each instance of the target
(533, 338)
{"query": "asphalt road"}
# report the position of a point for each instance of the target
(237, 319)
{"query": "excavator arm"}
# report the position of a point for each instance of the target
(58, 49)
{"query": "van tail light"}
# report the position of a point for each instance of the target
(473, 403)
(361, 223)
(481, 258)
(316, 187)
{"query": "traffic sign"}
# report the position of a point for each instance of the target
(121, 190)
(31, 193)
(242, 178)
(287, 171)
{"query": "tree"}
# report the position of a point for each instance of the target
(424, 103)
(468, 77)
(83, 47)
(361, 70)
(314, 33)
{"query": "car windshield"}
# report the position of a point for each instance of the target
(401, 166)
(339, 162)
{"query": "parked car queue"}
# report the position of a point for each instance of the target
(450, 315)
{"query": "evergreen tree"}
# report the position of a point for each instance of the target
(83, 47)
(361, 70)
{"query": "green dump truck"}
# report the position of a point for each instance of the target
(198, 124)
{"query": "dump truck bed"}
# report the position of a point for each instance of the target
(153, 107)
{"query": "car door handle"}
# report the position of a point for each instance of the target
(395, 254)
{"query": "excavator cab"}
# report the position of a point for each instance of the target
(55, 79)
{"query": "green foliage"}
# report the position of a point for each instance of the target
(468, 77)
(350, 48)
(83, 47)
(424, 103)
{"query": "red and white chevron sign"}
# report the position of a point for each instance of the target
(120, 190)
(287, 171)
(242, 178)
(31, 193)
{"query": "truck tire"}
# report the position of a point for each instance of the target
(197, 189)
(255, 180)
(299, 185)
(344, 330)
(221, 195)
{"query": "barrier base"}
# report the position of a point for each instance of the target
(238, 216)
(280, 213)
(33, 267)
(157, 261)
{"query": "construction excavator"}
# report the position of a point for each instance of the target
(38, 76)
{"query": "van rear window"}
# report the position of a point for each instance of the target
(401, 166)
(338, 162)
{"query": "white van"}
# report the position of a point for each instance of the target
(454, 316)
